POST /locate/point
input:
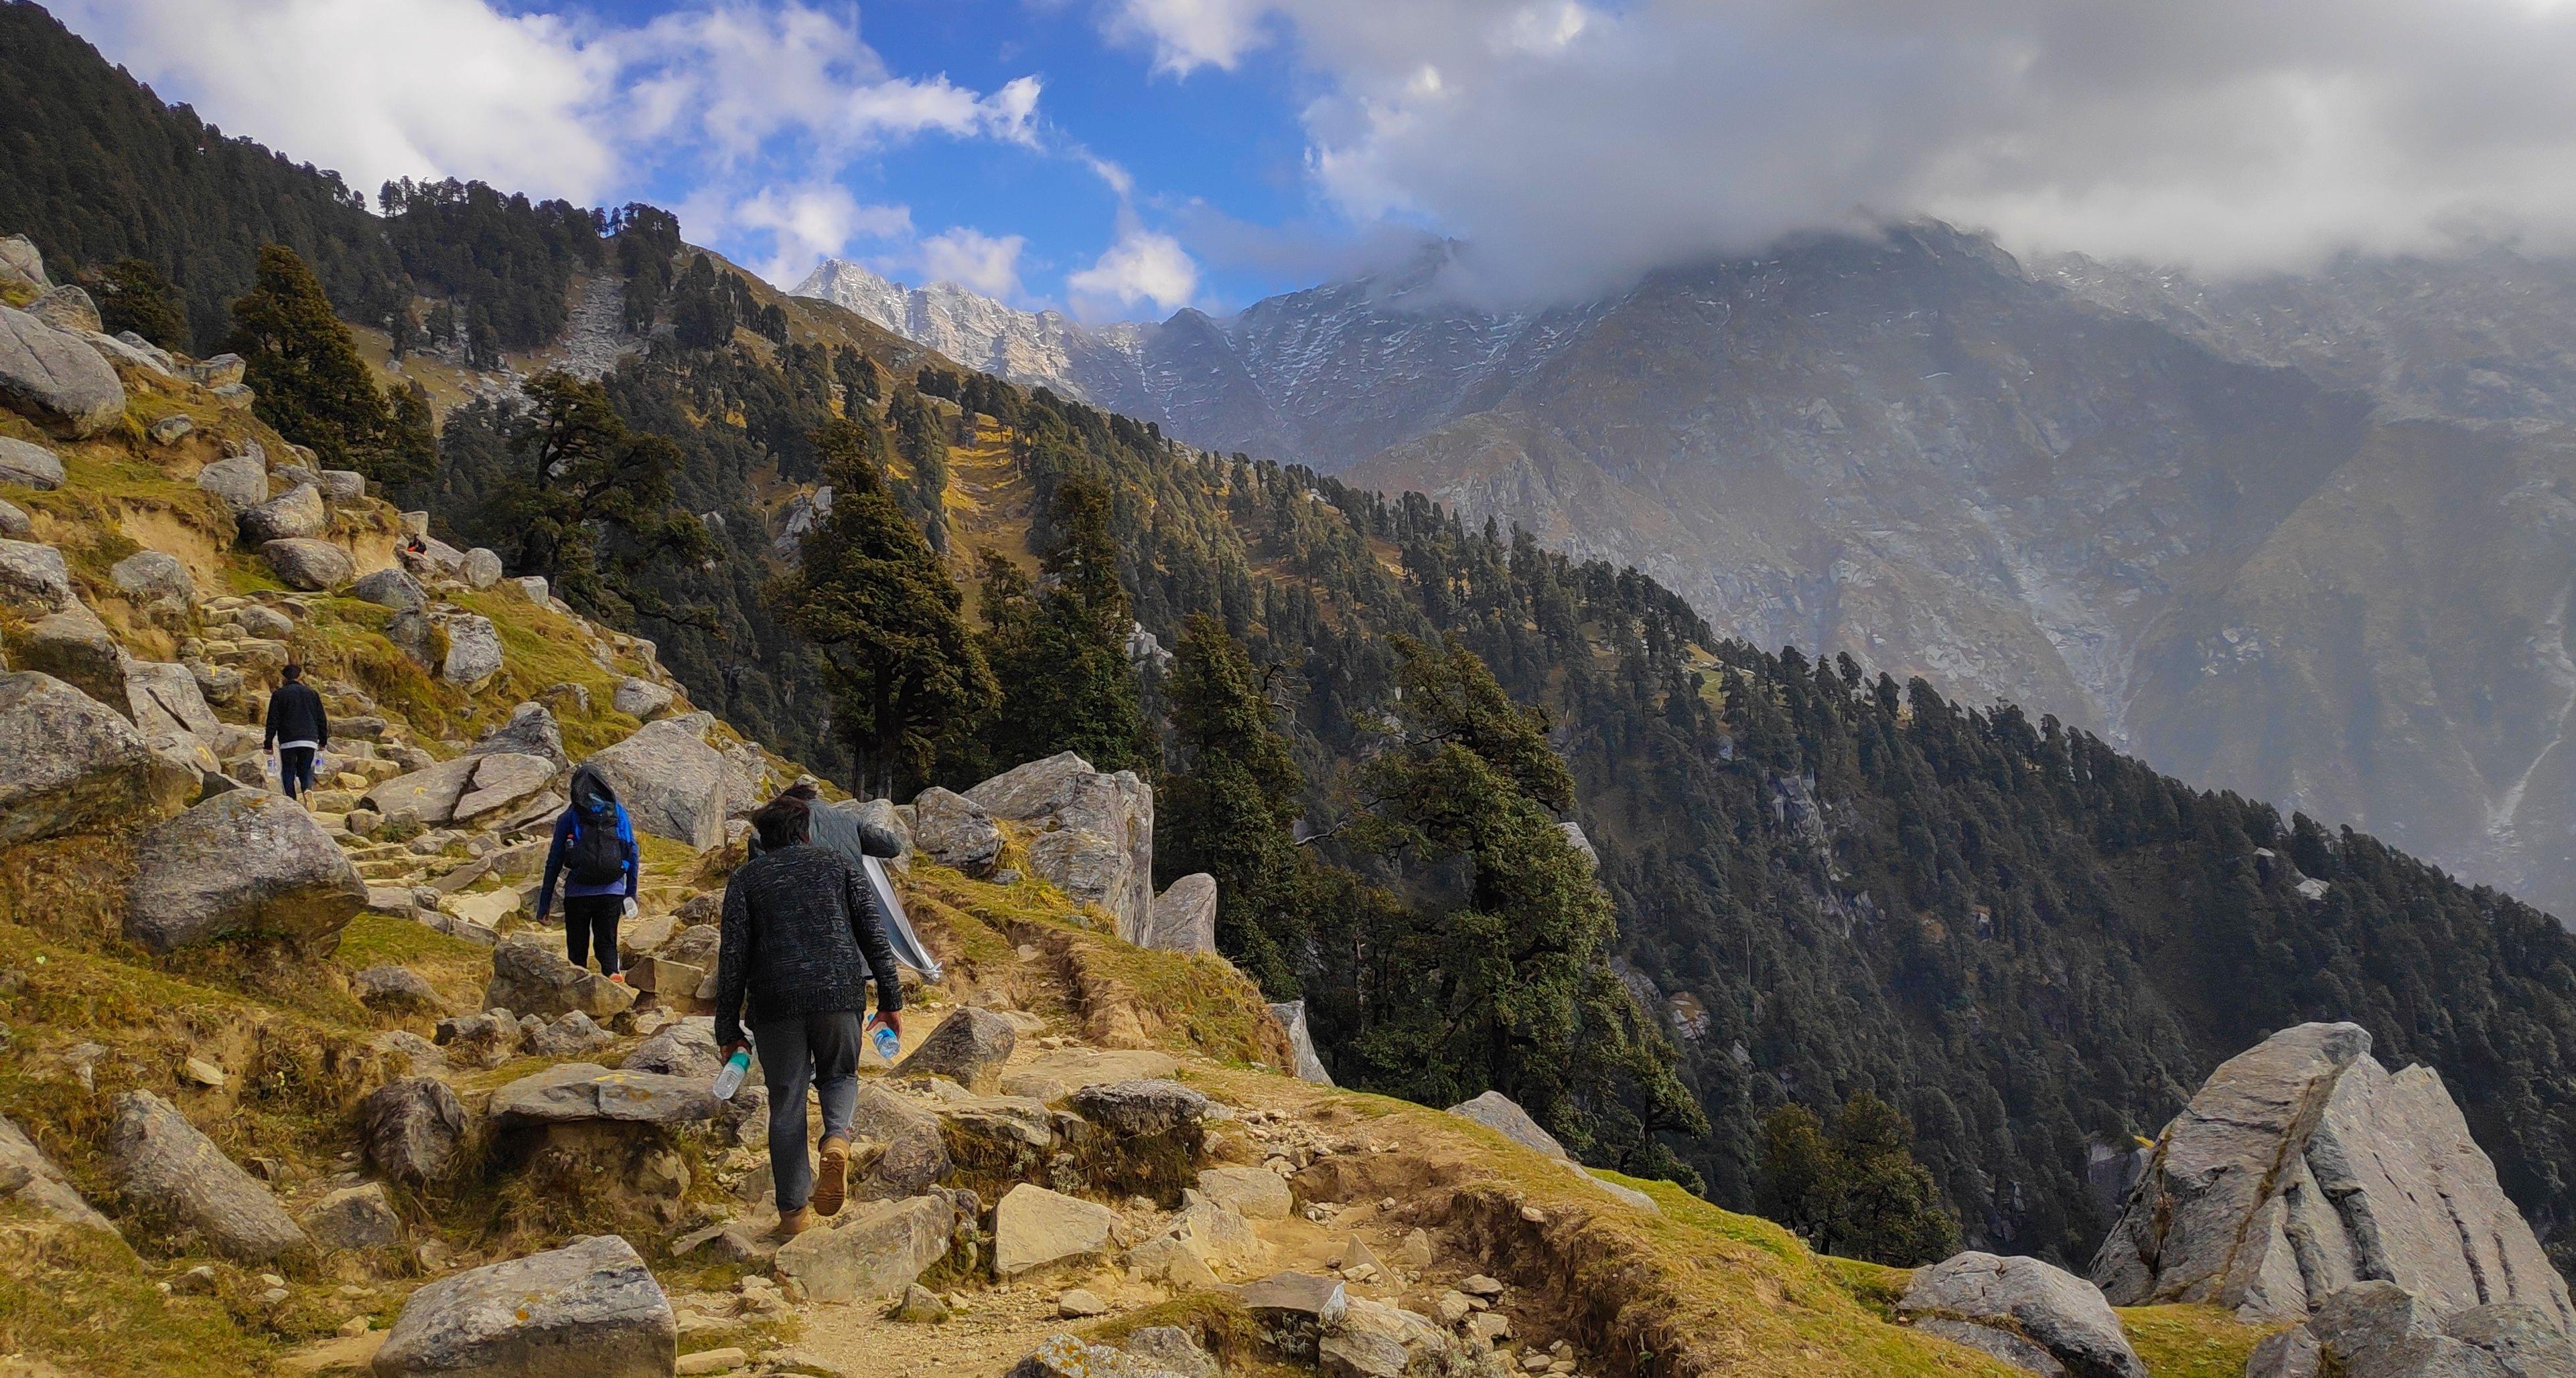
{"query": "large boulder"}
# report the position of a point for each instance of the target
(1255, 1193)
(968, 1047)
(75, 647)
(954, 832)
(54, 378)
(415, 1129)
(482, 568)
(243, 865)
(2048, 1306)
(2377, 1329)
(162, 697)
(872, 1252)
(311, 565)
(293, 515)
(30, 1179)
(171, 1173)
(391, 587)
(641, 699)
(1291, 1015)
(154, 580)
(1184, 917)
(1113, 866)
(1140, 1109)
(1035, 1228)
(2302, 1167)
(531, 731)
(22, 263)
(34, 578)
(912, 1153)
(580, 1092)
(241, 482)
(473, 650)
(356, 1217)
(469, 788)
(73, 764)
(15, 524)
(29, 465)
(532, 977)
(671, 781)
(1504, 1116)
(588, 1310)
(67, 308)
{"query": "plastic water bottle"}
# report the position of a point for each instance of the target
(888, 1045)
(729, 1077)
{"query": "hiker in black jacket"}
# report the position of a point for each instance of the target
(298, 729)
(801, 940)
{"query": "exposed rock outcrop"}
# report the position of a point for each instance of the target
(954, 831)
(1097, 843)
(671, 781)
(168, 1170)
(873, 1252)
(2023, 1300)
(967, 1048)
(2302, 1167)
(30, 1178)
(1504, 1116)
(529, 976)
(1291, 1015)
(243, 865)
(415, 1129)
(73, 764)
(1184, 917)
(464, 789)
(54, 377)
(2378, 1329)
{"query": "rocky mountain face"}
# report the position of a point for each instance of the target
(2297, 538)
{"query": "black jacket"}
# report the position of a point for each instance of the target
(295, 715)
(801, 936)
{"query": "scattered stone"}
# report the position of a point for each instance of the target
(1063, 1356)
(954, 832)
(415, 1129)
(14, 522)
(641, 699)
(463, 789)
(1415, 1251)
(243, 865)
(473, 650)
(480, 1040)
(391, 587)
(1172, 1349)
(671, 781)
(78, 649)
(241, 482)
(34, 579)
(203, 1073)
(1479, 1285)
(870, 1253)
(967, 1048)
(393, 987)
(1184, 916)
(1140, 1109)
(310, 565)
(918, 1306)
(724, 1360)
(1504, 1116)
(29, 465)
(166, 1169)
(1035, 1228)
(570, 1092)
(31, 1179)
(685, 1049)
(1296, 1309)
(569, 1036)
(1079, 1304)
(55, 378)
(356, 1217)
(295, 514)
(531, 731)
(914, 1155)
(1255, 1192)
(531, 977)
(482, 568)
(590, 1308)
(2030, 1300)
(2306, 1139)
(67, 308)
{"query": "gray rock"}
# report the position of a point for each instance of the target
(2303, 1166)
(1291, 1015)
(341, 485)
(155, 579)
(482, 568)
(391, 587)
(1065, 1356)
(34, 579)
(480, 1040)
(533, 588)
(1172, 1349)
(531, 731)
(294, 515)
(2002, 1344)
(29, 466)
(170, 1172)
(1184, 917)
(67, 308)
(75, 647)
(170, 430)
(671, 781)
(1140, 1109)
(473, 650)
(588, 1310)
(356, 1217)
(242, 482)
(532, 977)
(309, 565)
(968, 1047)
(14, 522)
(465, 788)
(55, 378)
(217, 372)
(1574, 836)
(2291, 1353)
(914, 1154)
(953, 831)
(22, 262)
(570, 1035)
(2049, 1306)
(879, 815)
(1297, 1309)
(73, 764)
(573, 1092)
(1098, 843)
(244, 865)
(415, 1129)
(685, 1049)
(1252, 1192)
(393, 987)
(1036, 1228)
(30, 1179)
(641, 699)
(2524, 1340)
(2376, 1329)
(1504, 1116)
(872, 1252)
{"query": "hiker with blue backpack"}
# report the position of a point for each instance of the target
(594, 852)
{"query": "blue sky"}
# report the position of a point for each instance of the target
(1123, 158)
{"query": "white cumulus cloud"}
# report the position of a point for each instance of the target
(973, 260)
(1189, 34)
(808, 223)
(1143, 266)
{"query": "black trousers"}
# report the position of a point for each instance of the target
(591, 921)
(295, 769)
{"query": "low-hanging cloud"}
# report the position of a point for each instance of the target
(1574, 145)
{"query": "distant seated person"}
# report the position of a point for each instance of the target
(837, 830)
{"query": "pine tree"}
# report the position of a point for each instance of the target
(1856, 1189)
(589, 500)
(1231, 805)
(409, 454)
(873, 598)
(921, 437)
(1061, 653)
(132, 295)
(302, 364)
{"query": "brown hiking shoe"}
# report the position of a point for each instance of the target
(831, 1179)
(796, 1222)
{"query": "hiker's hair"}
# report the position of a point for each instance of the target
(782, 821)
(293, 672)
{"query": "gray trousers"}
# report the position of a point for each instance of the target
(817, 1050)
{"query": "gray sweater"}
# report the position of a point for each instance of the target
(801, 935)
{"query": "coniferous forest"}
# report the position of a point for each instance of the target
(1814, 887)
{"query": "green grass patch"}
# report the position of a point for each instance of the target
(82, 1300)
(2191, 1341)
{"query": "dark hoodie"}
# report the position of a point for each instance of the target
(590, 793)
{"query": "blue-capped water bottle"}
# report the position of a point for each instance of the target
(888, 1045)
(729, 1077)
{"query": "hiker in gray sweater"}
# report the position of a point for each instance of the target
(801, 939)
